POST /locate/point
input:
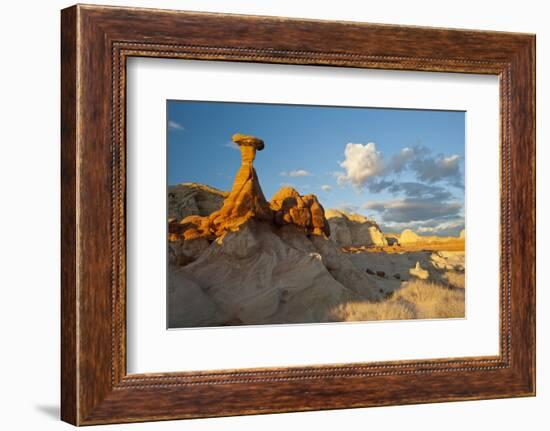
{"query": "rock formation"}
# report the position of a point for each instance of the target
(303, 211)
(193, 199)
(354, 230)
(419, 272)
(246, 199)
(262, 274)
(254, 262)
(392, 238)
(408, 237)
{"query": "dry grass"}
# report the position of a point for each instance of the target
(455, 279)
(432, 300)
(418, 299)
(450, 245)
(386, 310)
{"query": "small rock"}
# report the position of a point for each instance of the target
(370, 271)
(398, 276)
(380, 274)
(419, 272)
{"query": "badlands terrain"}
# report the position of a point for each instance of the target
(236, 258)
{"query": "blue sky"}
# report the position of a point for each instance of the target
(404, 168)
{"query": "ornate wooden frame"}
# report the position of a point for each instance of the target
(95, 43)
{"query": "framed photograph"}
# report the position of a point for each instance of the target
(264, 214)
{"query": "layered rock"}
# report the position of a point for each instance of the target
(193, 199)
(262, 274)
(354, 230)
(246, 199)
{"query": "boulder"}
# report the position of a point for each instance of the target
(303, 211)
(419, 272)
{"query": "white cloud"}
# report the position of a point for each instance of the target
(326, 188)
(174, 125)
(446, 228)
(451, 161)
(361, 163)
(296, 173)
(365, 166)
(232, 145)
(340, 177)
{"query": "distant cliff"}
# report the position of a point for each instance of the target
(354, 230)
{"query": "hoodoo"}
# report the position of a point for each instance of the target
(246, 199)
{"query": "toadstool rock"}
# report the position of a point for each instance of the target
(246, 199)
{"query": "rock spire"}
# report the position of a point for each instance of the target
(247, 201)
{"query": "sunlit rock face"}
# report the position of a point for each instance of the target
(289, 207)
(408, 237)
(354, 230)
(246, 201)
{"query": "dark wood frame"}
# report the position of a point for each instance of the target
(95, 43)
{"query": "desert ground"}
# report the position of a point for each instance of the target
(236, 258)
